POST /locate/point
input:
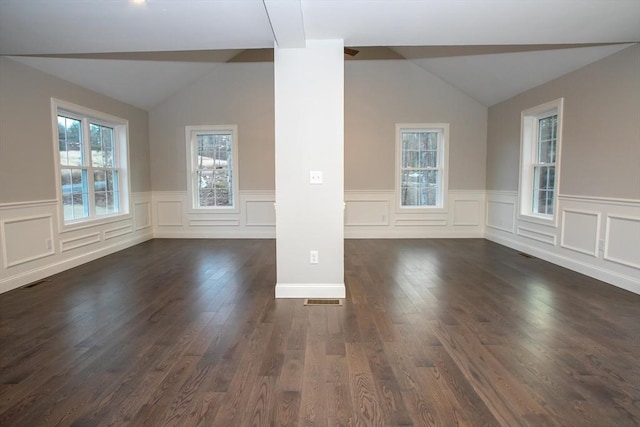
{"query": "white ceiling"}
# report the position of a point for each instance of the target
(54, 27)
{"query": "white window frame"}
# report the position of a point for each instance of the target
(528, 160)
(443, 165)
(192, 180)
(121, 152)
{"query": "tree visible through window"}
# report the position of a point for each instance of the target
(212, 166)
(214, 159)
(422, 171)
(540, 154)
(544, 169)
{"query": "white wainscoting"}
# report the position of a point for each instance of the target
(34, 248)
(594, 236)
(373, 214)
(254, 218)
(599, 237)
(368, 214)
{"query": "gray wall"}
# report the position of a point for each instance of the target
(27, 170)
(601, 138)
(240, 94)
(378, 94)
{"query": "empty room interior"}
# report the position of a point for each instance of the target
(320, 212)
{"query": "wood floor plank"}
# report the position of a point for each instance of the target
(181, 332)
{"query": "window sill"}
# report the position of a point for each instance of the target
(540, 220)
(94, 222)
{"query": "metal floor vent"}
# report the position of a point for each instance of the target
(309, 301)
(525, 255)
(36, 283)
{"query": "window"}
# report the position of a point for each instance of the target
(540, 154)
(91, 156)
(421, 159)
(212, 166)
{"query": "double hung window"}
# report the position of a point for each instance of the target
(539, 164)
(421, 152)
(91, 163)
(212, 166)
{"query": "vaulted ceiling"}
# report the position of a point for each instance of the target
(141, 53)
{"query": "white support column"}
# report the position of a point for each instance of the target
(309, 126)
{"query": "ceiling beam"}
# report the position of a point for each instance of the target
(287, 25)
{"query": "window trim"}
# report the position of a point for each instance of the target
(528, 153)
(442, 205)
(191, 162)
(121, 140)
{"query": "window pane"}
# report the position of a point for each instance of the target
(214, 151)
(102, 146)
(544, 190)
(547, 133)
(431, 159)
(223, 188)
(106, 194)
(410, 141)
(419, 149)
(70, 141)
(432, 141)
(214, 169)
(75, 197)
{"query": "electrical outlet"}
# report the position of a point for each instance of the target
(313, 257)
(315, 177)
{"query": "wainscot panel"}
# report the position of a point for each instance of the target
(598, 237)
(33, 247)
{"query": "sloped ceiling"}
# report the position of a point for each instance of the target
(141, 53)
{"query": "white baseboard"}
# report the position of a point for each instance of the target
(215, 234)
(310, 290)
(628, 283)
(39, 273)
(410, 233)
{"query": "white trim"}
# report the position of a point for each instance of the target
(615, 278)
(408, 222)
(597, 232)
(530, 233)
(464, 224)
(5, 258)
(30, 204)
(528, 144)
(149, 222)
(121, 146)
(513, 214)
(38, 273)
(602, 200)
(310, 290)
(94, 223)
(606, 255)
(94, 236)
(191, 162)
(118, 231)
(443, 162)
(215, 222)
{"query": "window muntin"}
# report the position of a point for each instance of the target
(213, 166)
(92, 163)
(422, 166)
(539, 165)
(544, 167)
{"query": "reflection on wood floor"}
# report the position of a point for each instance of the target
(433, 332)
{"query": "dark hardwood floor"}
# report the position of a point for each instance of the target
(433, 332)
